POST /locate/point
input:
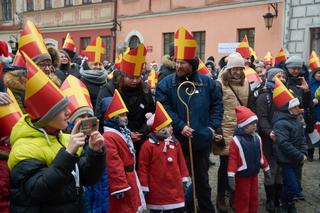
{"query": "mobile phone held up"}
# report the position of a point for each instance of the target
(88, 125)
(299, 81)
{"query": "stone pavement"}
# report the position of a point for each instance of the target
(310, 184)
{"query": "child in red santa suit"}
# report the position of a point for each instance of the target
(162, 167)
(245, 160)
(124, 186)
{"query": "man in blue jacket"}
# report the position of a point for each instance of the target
(205, 108)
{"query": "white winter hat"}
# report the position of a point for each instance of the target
(235, 60)
(293, 103)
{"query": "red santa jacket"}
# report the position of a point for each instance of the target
(162, 169)
(122, 175)
(246, 156)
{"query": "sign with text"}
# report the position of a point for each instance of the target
(227, 47)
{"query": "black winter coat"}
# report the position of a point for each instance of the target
(138, 103)
(167, 67)
(37, 188)
(290, 146)
(265, 110)
(62, 74)
(304, 97)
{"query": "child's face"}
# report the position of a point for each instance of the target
(250, 128)
(165, 132)
(123, 119)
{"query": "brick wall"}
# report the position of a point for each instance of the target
(304, 14)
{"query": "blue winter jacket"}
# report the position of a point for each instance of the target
(314, 84)
(96, 197)
(205, 107)
(290, 145)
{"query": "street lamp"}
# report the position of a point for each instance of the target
(268, 17)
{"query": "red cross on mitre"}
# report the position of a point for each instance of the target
(184, 45)
(133, 61)
(95, 50)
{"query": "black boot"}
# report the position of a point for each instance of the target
(292, 208)
(282, 209)
(277, 194)
(310, 154)
(270, 194)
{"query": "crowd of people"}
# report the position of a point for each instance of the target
(79, 134)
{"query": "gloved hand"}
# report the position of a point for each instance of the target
(267, 178)
(119, 195)
(232, 183)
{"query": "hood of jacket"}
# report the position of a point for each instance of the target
(283, 115)
(28, 142)
(94, 76)
(166, 61)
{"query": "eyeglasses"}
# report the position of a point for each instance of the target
(44, 66)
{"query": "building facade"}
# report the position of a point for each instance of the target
(302, 27)
(83, 19)
(216, 25)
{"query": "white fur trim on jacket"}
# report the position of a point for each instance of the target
(248, 121)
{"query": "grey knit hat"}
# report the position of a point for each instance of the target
(294, 61)
(44, 56)
(272, 72)
(55, 110)
(79, 112)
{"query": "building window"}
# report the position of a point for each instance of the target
(250, 35)
(86, 1)
(68, 2)
(315, 39)
(167, 40)
(134, 41)
(84, 41)
(6, 10)
(107, 42)
(200, 37)
(47, 4)
(30, 6)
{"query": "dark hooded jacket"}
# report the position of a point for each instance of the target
(265, 110)
(304, 97)
(168, 67)
(290, 145)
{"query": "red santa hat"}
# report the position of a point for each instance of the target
(244, 116)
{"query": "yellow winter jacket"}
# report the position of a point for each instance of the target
(29, 142)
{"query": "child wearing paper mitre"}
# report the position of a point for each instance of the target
(162, 168)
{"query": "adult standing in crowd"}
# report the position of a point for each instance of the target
(235, 92)
(265, 110)
(47, 168)
(66, 68)
(135, 93)
(205, 108)
(168, 65)
(92, 72)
